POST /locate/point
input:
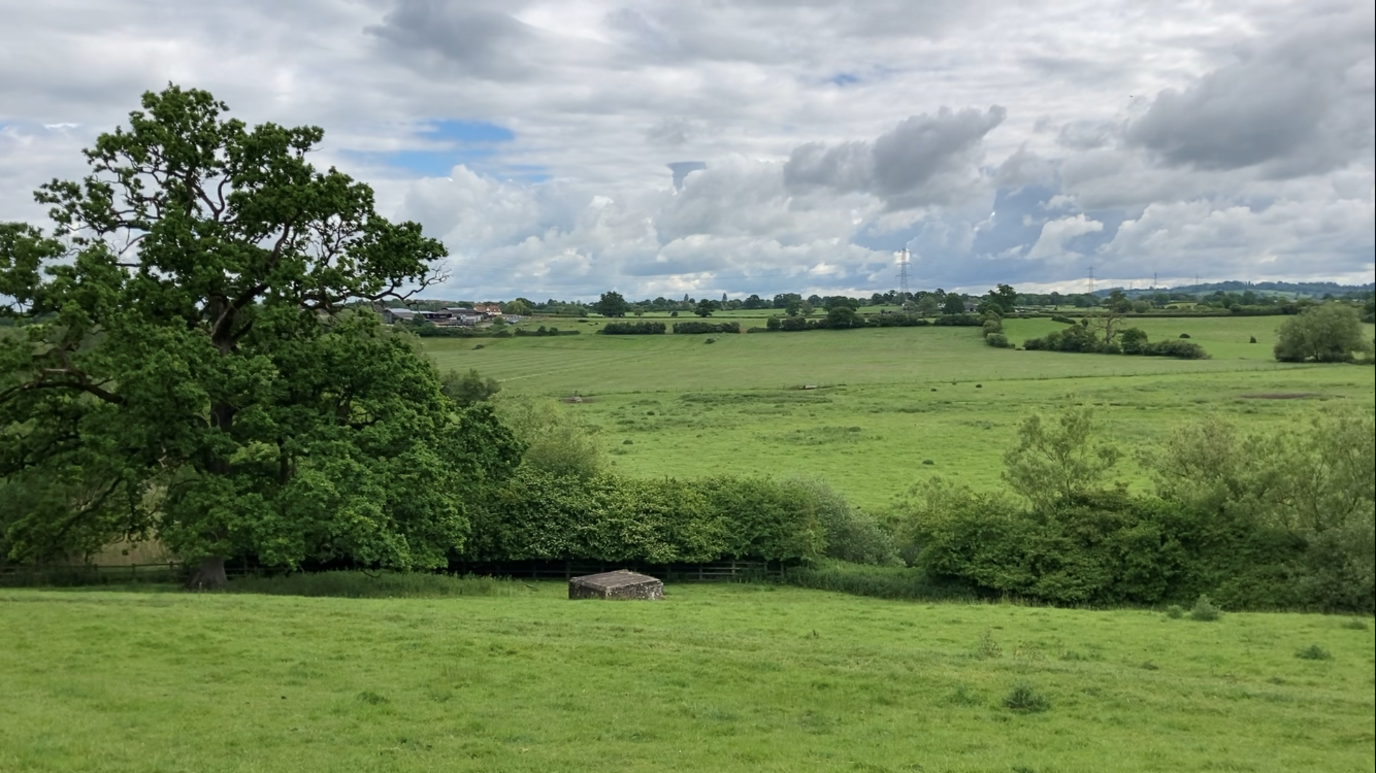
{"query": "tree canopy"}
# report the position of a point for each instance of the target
(191, 364)
(1329, 332)
(611, 304)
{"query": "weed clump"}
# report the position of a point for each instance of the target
(1355, 624)
(988, 648)
(1204, 610)
(1025, 699)
(371, 698)
(1175, 611)
(1314, 652)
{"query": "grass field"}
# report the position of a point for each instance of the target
(889, 401)
(715, 678)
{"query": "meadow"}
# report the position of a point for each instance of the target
(714, 678)
(893, 406)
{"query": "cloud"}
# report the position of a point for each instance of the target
(1055, 233)
(926, 159)
(481, 42)
(553, 146)
(1300, 104)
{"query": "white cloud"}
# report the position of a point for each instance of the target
(1055, 233)
(1229, 138)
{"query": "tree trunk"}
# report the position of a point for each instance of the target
(210, 575)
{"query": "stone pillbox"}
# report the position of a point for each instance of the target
(621, 584)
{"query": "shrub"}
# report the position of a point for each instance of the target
(632, 328)
(1175, 611)
(1062, 319)
(998, 341)
(1184, 335)
(988, 648)
(1025, 699)
(695, 327)
(1204, 611)
(1314, 652)
(959, 320)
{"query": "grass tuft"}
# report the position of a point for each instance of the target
(1314, 652)
(1024, 698)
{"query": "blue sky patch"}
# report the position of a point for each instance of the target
(445, 144)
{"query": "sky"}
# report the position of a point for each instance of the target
(563, 149)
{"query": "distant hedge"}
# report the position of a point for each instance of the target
(694, 328)
(1132, 341)
(632, 328)
(544, 331)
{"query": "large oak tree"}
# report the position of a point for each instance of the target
(194, 361)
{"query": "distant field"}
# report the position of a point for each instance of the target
(887, 400)
(715, 678)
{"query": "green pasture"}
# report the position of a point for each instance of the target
(892, 406)
(715, 678)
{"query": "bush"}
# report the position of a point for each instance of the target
(1204, 611)
(1314, 652)
(850, 536)
(632, 328)
(1025, 699)
(544, 331)
(541, 516)
(694, 328)
(998, 341)
(1175, 611)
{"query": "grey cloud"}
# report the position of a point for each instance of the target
(486, 43)
(1292, 105)
(1086, 135)
(926, 159)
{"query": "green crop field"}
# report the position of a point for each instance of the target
(715, 678)
(892, 406)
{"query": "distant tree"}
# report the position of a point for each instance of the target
(705, 308)
(928, 305)
(611, 304)
(806, 308)
(1329, 332)
(469, 388)
(754, 302)
(843, 316)
(1058, 462)
(517, 307)
(1002, 299)
(792, 307)
(814, 300)
(954, 304)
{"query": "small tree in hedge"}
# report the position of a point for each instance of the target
(1060, 461)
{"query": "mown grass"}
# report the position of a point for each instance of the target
(892, 407)
(719, 678)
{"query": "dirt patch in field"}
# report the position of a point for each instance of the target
(1282, 396)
